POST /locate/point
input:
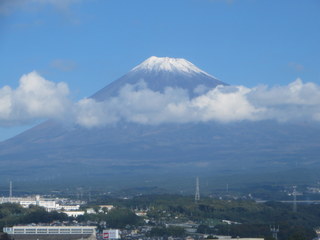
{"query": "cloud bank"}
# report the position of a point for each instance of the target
(142, 105)
(37, 98)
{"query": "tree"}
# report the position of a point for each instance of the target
(121, 217)
(173, 231)
(205, 229)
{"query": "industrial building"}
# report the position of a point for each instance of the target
(51, 232)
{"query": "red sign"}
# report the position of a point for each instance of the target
(111, 234)
(105, 235)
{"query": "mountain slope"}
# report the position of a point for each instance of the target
(53, 150)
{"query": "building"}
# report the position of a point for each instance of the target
(189, 227)
(108, 207)
(111, 234)
(48, 203)
(141, 213)
(74, 213)
(51, 232)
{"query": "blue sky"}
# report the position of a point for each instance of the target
(89, 43)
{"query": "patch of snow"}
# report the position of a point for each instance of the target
(158, 64)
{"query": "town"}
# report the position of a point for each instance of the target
(159, 216)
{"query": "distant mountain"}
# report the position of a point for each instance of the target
(124, 150)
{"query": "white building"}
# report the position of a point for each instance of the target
(111, 234)
(90, 211)
(74, 213)
(47, 203)
(51, 232)
(108, 207)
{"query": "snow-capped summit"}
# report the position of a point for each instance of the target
(159, 73)
(158, 64)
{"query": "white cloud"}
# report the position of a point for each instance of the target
(89, 113)
(295, 102)
(37, 98)
(297, 92)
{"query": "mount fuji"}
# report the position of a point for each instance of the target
(126, 150)
(160, 73)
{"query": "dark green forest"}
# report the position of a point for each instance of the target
(12, 214)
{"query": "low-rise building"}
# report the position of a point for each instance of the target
(108, 207)
(51, 232)
(74, 213)
(48, 203)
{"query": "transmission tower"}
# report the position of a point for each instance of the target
(294, 194)
(274, 232)
(197, 194)
(10, 190)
